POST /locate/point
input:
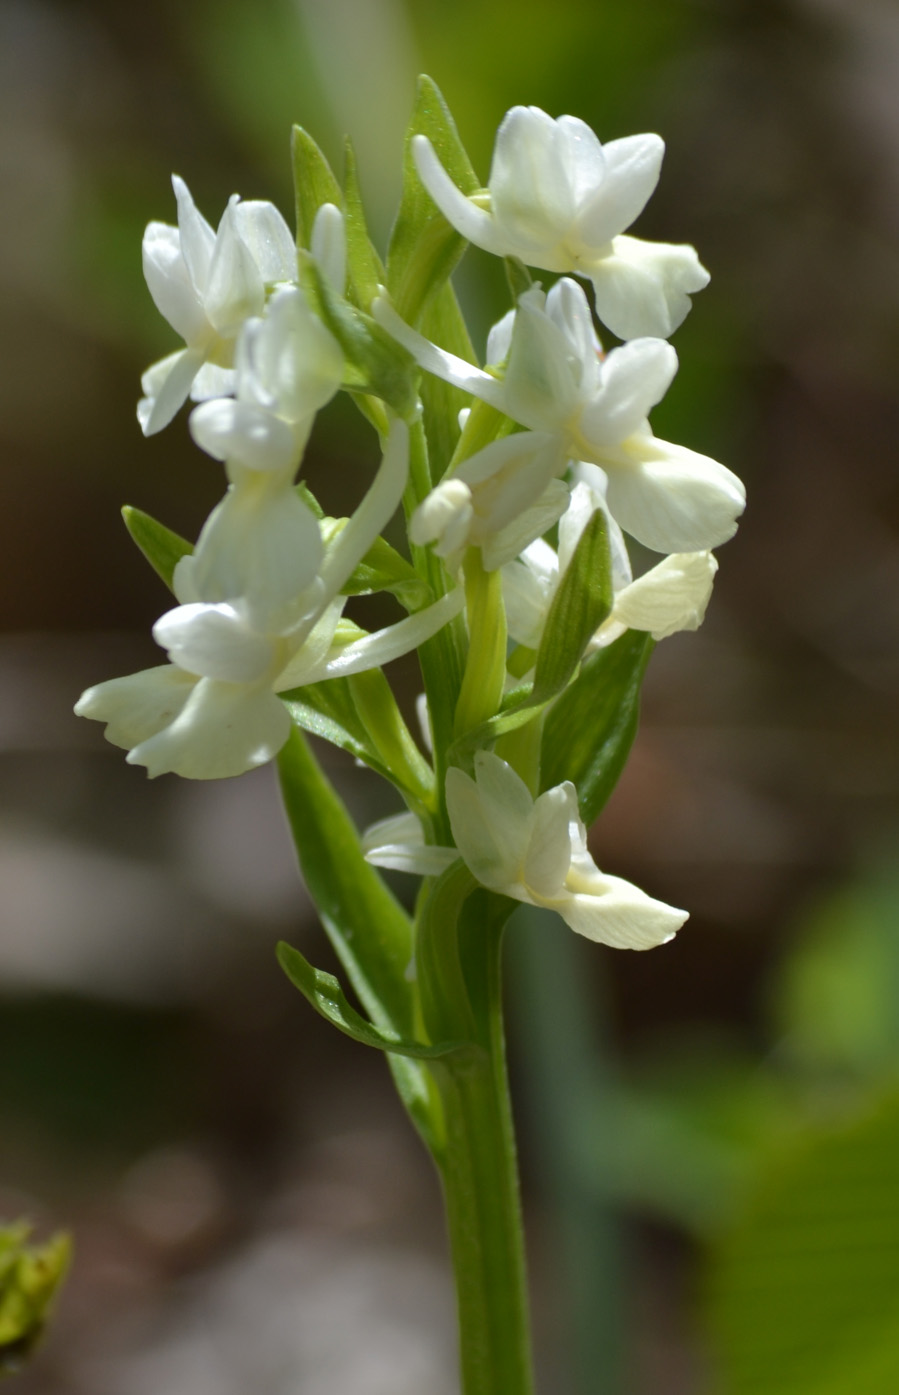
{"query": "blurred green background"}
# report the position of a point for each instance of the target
(710, 1133)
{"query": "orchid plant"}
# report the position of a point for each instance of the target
(519, 482)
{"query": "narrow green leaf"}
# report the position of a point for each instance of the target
(162, 548)
(368, 928)
(424, 248)
(390, 737)
(365, 270)
(582, 601)
(314, 183)
(327, 710)
(324, 992)
(591, 727)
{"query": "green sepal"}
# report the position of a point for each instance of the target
(365, 270)
(381, 569)
(162, 548)
(375, 363)
(591, 727)
(390, 737)
(368, 928)
(314, 183)
(30, 1278)
(424, 247)
(308, 498)
(324, 992)
(582, 601)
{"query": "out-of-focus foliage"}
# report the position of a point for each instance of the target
(30, 1277)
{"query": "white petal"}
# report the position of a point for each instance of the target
(373, 514)
(328, 245)
(672, 499)
(567, 307)
(224, 729)
(509, 476)
(262, 545)
(197, 237)
(584, 155)
(548, 855)
(307, 664)
(230, 430)
(618, 914)
(398, 843)
(644, 288)
(505, 544)
(234, 289)
(295, 359)
(473, 832)
(170, 380)
(532, 191)
(671, 597)
(472, 222)
(271, 243)
(632, 380)
(443, 517)
(499, 340)
(508, 807)
(544, 370)
(382, 647)
(213, 381)
(139, 705)
(632, 172)
(214, 641)
(438, 361)
(527, 600)
(170, 284)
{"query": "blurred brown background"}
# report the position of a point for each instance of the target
(251, 1211)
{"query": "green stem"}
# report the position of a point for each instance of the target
(460, 944)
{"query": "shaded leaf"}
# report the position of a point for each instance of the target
(591, 727)
(582, 601)
(424, 247)
(324, 992)
(162, 548)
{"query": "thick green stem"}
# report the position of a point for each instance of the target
(460, 943)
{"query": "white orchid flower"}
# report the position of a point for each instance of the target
(668, 598)
(287, 366)
(214, 711)
(558, 382)
(559, 199)
(534, 850)
(498, 499)
(207, 284)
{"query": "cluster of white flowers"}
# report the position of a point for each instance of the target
(260, 599)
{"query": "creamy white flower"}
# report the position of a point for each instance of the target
(534, 850)
(499, 499)
(668, 598)
(559, 199)
(557, 382)
(214, 710)
(287, 365)
(207, 284)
